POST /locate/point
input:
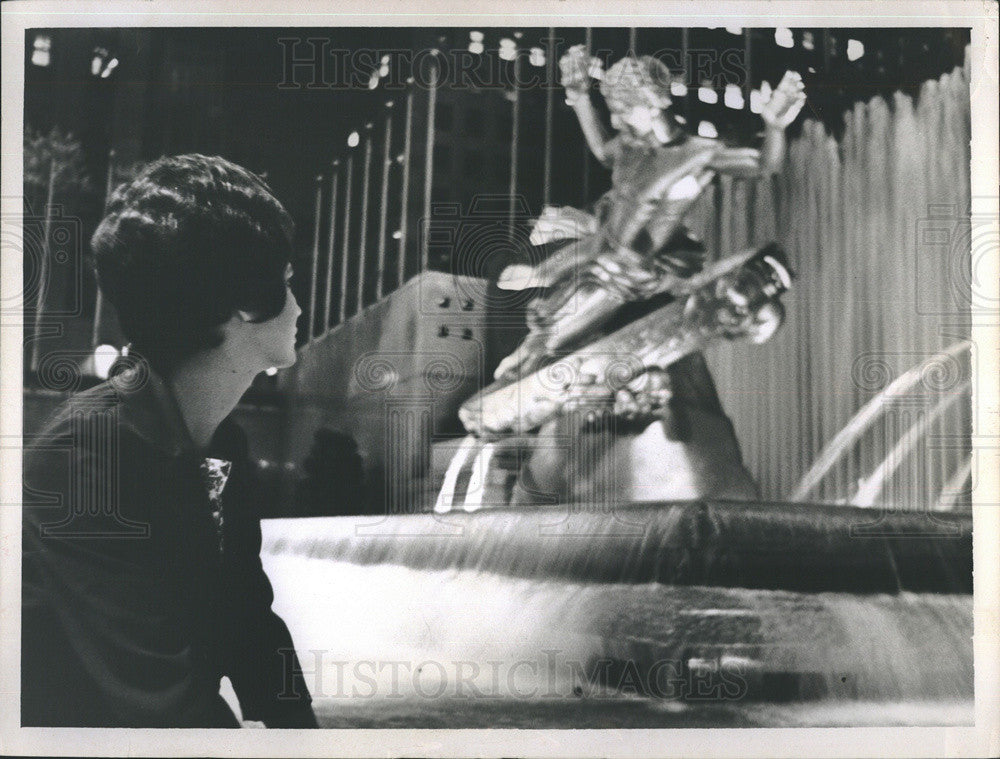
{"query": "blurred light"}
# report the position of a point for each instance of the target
(811, 70)
(373, 80)
(353, 139)
(808, 42)
(678, 89)
(476, 48)
(508, 49)
(707, 129)
(397, 235)
(383, 70)
(756, 101)
(680, 119)
(536, 57)
(855, 49)
(734, 29)
(271, 371)
(783, 37)
(476, 36)
(385, 60)
(707, 95)
(518, 35)
(104, 357)
(100, 65)
(734, 97)
(41, 50)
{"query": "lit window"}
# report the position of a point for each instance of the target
(678, 89)
(41, 52)
(707, 129)
(508, 49)
(734, 29)
(855, 49)
(734, 97)
(476, 36)
(97, 62)
(707, 95)
(808, 41)
(476, 48)
(353, 140)
(537, 57)
(103, 63)
(783, 37)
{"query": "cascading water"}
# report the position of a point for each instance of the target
(669, 615)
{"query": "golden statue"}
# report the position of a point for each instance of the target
(627, 306)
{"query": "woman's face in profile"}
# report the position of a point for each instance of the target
(276, 337)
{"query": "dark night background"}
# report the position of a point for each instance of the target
(229, 91)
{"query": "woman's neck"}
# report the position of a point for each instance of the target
(206, 391)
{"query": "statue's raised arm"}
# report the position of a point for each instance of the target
(576, 70)
(783, 107)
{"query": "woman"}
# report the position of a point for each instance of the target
(142, 581)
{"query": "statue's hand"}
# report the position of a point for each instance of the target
(786, 101)
(575, 69)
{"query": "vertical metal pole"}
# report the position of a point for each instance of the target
(515, 118)
(686, 74)
(404, 190)
(429, 164)
(43, 269)
(335, 171)
(310, 331)
(747, 65)
(345, 248)
(95, 335)
(549, 109)
(588, 44)
(383, 214)
(632, 46)
(363, 247)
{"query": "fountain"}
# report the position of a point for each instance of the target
(583, 558)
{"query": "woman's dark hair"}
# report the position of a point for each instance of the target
(188, 242)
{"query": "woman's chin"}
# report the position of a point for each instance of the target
(284, 361)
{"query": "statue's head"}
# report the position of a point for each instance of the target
(637, 91)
